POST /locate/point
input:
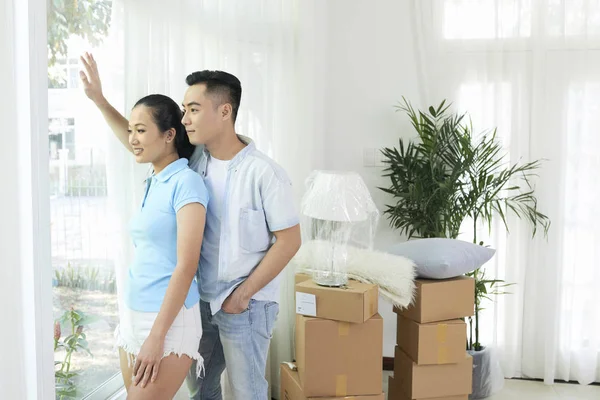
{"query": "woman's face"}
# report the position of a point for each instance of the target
(147, 142)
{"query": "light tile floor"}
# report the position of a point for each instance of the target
(532, 390)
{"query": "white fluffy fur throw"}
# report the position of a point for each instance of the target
(395, 275)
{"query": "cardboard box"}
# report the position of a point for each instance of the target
(339, 358)
(431, 381)
(355, 303)
(299, 278)
(441, 300)
(432, 343)
(394, 393)
(291, 389)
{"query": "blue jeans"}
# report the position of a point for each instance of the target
(240, 342)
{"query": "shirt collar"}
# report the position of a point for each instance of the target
(250, 146)
(171, 169)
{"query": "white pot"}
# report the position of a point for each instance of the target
(488, 378)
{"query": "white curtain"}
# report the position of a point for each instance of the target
(12, 377)
(532, 68)
(256, 40)
(25, 290)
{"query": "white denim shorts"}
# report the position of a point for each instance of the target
(183, 338)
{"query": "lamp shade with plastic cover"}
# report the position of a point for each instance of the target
(337, 210)
(337, 196)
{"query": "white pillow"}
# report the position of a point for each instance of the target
(440, 258)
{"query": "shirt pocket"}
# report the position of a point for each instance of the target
(254, 233)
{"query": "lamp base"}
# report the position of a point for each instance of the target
(330, 279)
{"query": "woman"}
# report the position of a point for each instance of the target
(158, 337)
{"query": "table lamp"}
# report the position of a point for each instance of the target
(337, 209)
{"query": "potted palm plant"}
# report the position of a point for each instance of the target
(447, 177)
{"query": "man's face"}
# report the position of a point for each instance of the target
(202, 120)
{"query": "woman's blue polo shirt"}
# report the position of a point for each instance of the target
(154, 233)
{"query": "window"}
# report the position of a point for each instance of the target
(506, 19)
(573, 17)
(582, 200)
(84, 284)
(486, 19)
(64, 74)
(61, 133)
(530, 68)
(488, 106)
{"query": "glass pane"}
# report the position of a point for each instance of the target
(573, 17)
(486, 19)
(73, 77)
(84, 298)
(579, 235)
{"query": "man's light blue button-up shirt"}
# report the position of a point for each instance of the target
(258, 201)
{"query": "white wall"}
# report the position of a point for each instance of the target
(370, 66)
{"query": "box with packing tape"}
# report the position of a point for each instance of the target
(339, 359)
(432, 343)
(441, 300)
(431, 381)
(394, 393)
(356, 302)
(291, 389)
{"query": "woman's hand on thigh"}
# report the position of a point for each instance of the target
(174, 369)
(148, 361)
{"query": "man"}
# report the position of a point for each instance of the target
(251, 233)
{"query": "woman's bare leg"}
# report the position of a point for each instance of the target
(171, 374)
(126, 362)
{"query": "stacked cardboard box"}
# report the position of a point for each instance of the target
(430, 359)
(339, 343)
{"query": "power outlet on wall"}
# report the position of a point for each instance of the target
(372, 157)
(369, 157)
(380, 159)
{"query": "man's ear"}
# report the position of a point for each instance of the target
(226, 111)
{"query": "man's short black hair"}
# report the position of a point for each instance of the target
(219, 84)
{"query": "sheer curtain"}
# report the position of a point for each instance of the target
(12, 375)
(255, 40)
(25, 290)
(532, 68)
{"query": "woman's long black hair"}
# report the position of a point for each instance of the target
(167, 114)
